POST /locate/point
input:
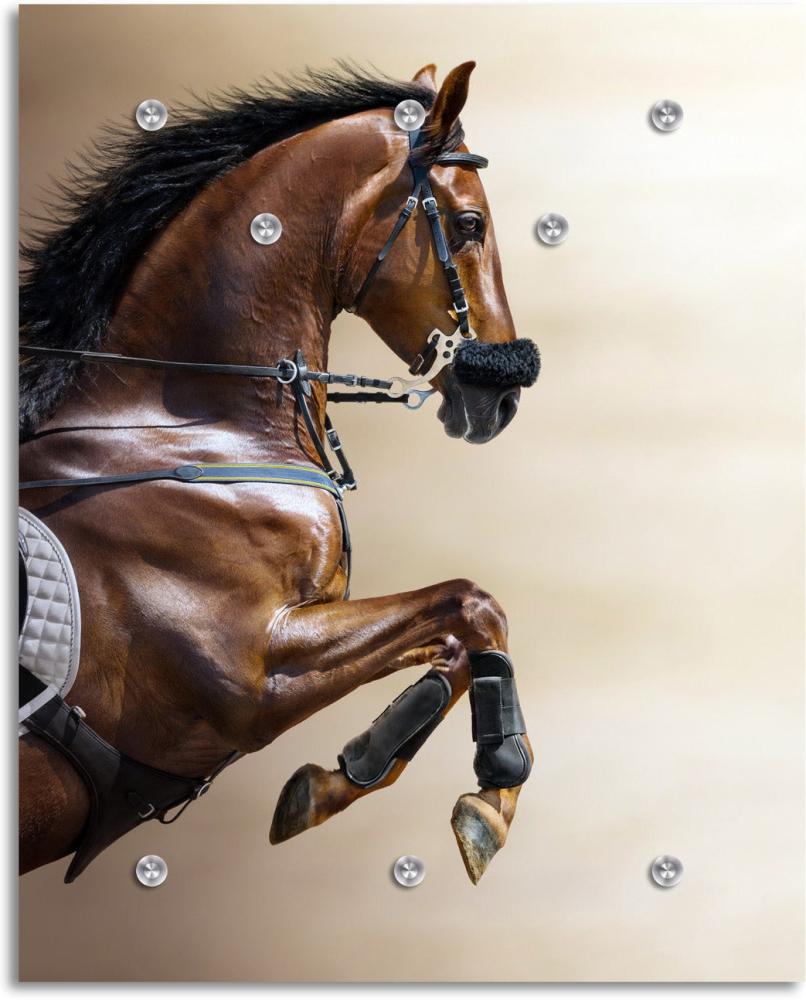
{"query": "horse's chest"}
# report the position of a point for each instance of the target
(286, 540)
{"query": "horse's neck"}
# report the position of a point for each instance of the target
(207, 292)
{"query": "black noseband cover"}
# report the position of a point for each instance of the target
(516, 362)
(502, 760)
(398, 732)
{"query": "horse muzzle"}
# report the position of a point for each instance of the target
(483, 386)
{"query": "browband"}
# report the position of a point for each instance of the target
(462, 160)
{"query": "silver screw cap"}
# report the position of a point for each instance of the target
(409, 115)
(266, 228)
(666, 870)
(151, 870)
(552, 228)
(151, 115)
(666, 115)
(408, 871)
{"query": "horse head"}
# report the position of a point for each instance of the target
(442, 273)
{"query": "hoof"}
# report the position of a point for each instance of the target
(480, 833)
(296, 811)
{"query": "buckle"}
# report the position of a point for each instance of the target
(461, 309)
(333, 439)
(287, 365)
(411, 204)
(137, 801)
(432, 208)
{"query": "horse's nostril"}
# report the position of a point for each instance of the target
(507, 408)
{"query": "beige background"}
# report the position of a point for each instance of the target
(641, 521)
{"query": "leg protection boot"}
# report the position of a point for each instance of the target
(398, 732)
(502, 760)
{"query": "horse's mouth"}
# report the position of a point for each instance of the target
(476, 413)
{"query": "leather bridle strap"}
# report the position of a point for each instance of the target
(284, 371)
(422, 191)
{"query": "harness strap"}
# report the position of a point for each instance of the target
(206, 472)
(422, 187)
(285, 371)
(123, 792)
(402, 219)
(216, 472)
(364, 397)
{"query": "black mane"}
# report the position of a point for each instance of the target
(132, 183)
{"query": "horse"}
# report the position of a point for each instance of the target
(217, 614)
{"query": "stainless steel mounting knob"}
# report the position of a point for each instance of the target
(408, 871)
(666, 115)
(552, 228)
(151, 115)
(409, 115)
(266, 228)
(666, 870)
(151, 870)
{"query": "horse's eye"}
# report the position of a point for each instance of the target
(470, 225)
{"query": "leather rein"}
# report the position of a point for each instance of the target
(439, 351)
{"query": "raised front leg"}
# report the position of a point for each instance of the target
(319, 653)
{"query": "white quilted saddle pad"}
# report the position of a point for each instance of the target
(50, 640)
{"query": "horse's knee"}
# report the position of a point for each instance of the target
(475, 616)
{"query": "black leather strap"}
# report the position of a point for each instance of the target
(458, 159)
(99, 357)
(123, 792)
(422, 191)
(363, 397)
(284, 371)
(397, 229)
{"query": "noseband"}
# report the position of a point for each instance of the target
(440, 348)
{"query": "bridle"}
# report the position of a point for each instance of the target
(440, 348)
(439, 351)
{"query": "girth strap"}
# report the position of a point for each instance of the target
(123, 792)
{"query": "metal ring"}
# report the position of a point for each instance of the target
(200, 790)
(420, 396)
(287, 363)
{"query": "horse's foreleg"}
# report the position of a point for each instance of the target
(385, 634)
(313, 794)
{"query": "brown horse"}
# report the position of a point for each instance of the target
(214, 615)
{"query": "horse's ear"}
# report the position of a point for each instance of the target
(451, 99)
(427, 76)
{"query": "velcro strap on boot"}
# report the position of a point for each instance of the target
(398, 732)
(502, 759)
(497, 713)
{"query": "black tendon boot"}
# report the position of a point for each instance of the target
(502, 759)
